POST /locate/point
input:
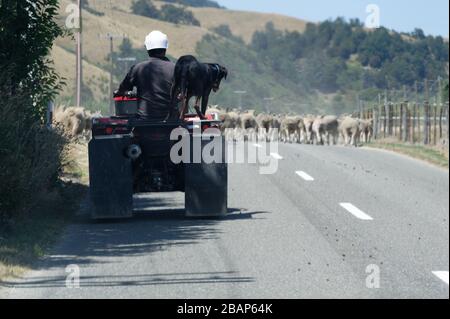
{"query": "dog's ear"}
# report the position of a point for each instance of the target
(224, 71)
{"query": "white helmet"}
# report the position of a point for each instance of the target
(156, 40)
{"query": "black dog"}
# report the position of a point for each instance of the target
(192, 78)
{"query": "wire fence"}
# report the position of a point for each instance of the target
(410, 115)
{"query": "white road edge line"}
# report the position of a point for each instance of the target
(276, 156)
(442, 275)
(355, 211)
(305, 176)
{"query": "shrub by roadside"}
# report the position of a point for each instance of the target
(31, 158)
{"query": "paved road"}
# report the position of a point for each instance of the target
(323, 226)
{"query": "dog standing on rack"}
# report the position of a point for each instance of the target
(192, 78)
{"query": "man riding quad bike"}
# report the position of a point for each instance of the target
(130, 152)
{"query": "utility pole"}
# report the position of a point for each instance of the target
(79, 57)
(111, 76)
(111, 38)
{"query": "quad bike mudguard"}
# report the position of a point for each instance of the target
(110, 177)
(206, 184)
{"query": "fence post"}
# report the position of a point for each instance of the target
(401, 122)
(426, 125)
(435, 124)
(380, 123)
(394, 111)
(446, 120)
(375, 122)
(419, 119)
(414, 119)
(405, 128)
(390, 118)
(410, 125)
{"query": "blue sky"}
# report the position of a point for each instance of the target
(402, 15)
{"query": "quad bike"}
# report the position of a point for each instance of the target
(129, 156)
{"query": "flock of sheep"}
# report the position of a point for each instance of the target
(308, 129)
(75, 121)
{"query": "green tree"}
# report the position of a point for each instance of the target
(27, 32)
(177, 15)
(196, 3)
(30, 155)
(225, 31)
(126, 47)
(145, 8)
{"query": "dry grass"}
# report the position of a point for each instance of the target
(94, 77)
(243, 23)
(432, 154)
(118, 19)
(183, 39)
(77, 168)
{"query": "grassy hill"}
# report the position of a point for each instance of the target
(96, 78)
(116, 18)
(304, 67)
(244, 24)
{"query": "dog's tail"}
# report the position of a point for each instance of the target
(180, 82)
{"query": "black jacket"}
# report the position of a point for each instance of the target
(153, 80)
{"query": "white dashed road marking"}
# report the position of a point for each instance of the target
(276, 156)
(305, 176)
(442, 275)
(355, 211)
